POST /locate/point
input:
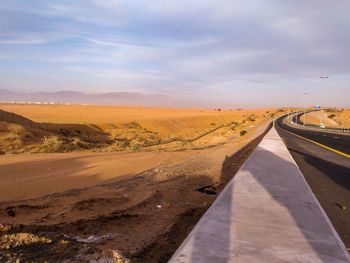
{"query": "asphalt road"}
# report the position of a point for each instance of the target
(326, 171)
(336, 141)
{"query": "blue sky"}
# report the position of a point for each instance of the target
(235, 53)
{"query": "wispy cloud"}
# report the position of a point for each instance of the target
(204, 48)
(22, 42)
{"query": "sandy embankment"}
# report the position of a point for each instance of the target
(337, 119)
(103, 128)
(96, 206)
(141, 217)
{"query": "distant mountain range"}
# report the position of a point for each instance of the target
(112, 98)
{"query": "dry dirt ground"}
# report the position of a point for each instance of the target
(331, 118)
(113, 206)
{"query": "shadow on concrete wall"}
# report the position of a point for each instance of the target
(229, 168)
(214, 241)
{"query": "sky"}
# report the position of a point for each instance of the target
(249, 53)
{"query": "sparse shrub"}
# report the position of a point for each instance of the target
(243, 132)
(219, 109)
(251, 118)
(135, 145)
(18, 131)
(79, 143)
(2, 152)
(117, 146)
(51, 144)
(233, 125)
(121, 143)
(331, 116)
(212, 124)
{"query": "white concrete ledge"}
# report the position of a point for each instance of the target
(267, 213)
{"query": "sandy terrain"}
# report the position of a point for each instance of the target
(162, 120)
(138, 217)
(119, 206)
(102, 128)
(40, 174)
(332, 118)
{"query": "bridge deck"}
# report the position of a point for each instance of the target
(267, 213)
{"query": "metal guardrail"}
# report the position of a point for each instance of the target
(343, 130)
(300, 124)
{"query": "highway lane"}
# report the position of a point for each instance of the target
(327, 172)
(340, 142)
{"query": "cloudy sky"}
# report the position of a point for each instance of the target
(235, 53)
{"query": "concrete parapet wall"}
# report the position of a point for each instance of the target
(267, 213)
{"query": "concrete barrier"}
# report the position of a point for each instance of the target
(267, 213)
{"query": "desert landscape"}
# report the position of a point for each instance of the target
(114, 183)
(65, 128)
(134, 131)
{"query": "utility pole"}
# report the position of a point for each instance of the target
(324, 78)
(296, 116)
(305, 94)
